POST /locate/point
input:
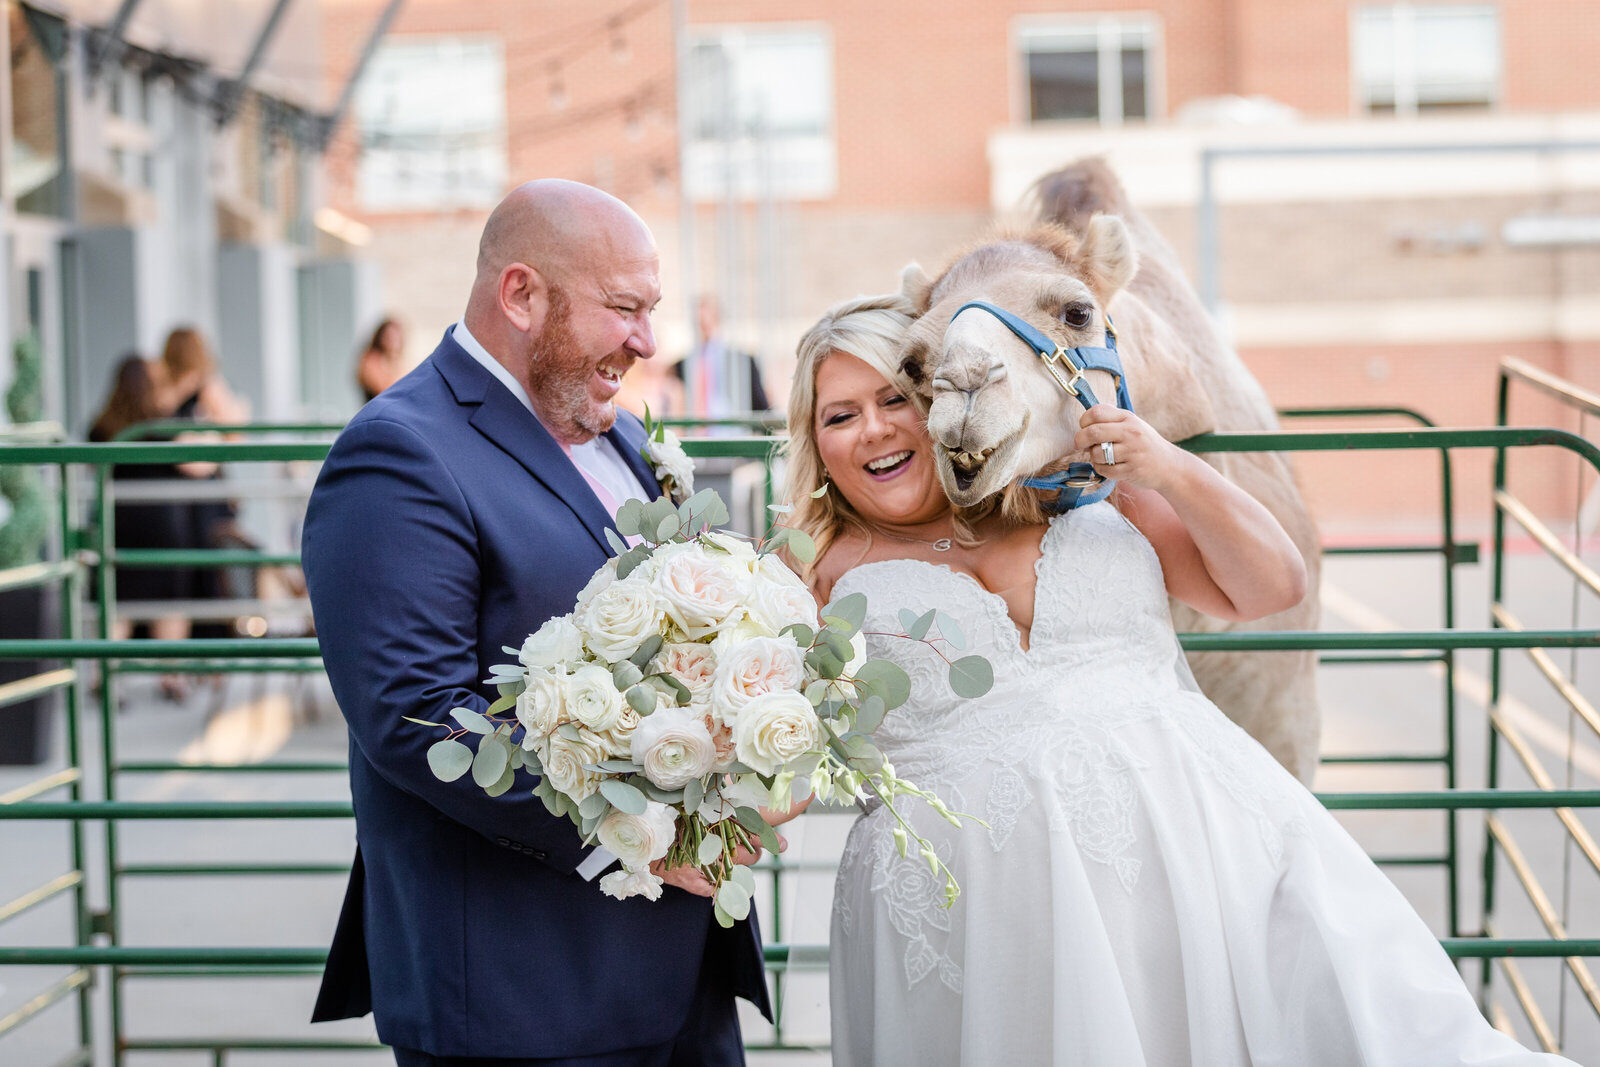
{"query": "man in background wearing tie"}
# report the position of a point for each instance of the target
(721, 380)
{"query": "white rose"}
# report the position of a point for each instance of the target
(778, 597)
(674, 747)
(542, 706)
(566, 764)
(701, 593)
(691, 663)
(751, 668)
(625, 884)
(774, 729)
(639, 840)
(554, 644)
(671, 463)
(592, 698)
(739, 549)
(597, 581)
(739, 629)
(618, 740)
(619, 617)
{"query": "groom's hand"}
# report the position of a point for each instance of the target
(690, 880)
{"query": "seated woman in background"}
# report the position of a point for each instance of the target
(382, 362)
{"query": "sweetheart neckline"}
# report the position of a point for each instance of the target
(992, 597)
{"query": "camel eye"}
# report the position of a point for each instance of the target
(1076, 315)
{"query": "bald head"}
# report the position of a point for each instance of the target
(555, 226)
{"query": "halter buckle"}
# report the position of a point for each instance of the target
(1066, 382)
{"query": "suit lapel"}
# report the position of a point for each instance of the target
(501, 418)
(627, 437)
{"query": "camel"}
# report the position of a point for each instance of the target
(996, 415)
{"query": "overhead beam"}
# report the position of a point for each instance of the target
(330, 121)
(232, 92)
(109, 46)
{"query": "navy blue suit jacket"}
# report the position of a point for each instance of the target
(446, 524)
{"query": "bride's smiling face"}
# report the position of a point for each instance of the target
(874, 445)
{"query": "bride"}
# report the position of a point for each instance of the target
(1151, 887)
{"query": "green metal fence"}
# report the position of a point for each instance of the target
(93, 949)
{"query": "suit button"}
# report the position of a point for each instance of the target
(503, 842)
(537, 854)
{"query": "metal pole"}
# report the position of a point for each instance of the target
(109, 47)
(680, 46)
(332, 119)
(233, 91)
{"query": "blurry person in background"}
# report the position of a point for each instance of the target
(136, 397)
(651, 384)
(382, 362)
(721, 380)
(188, 376)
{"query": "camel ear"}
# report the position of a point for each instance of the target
(1108, 256)
(916, 286)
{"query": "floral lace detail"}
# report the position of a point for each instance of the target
(1102, 657)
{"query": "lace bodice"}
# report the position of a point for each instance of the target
(1101, 646)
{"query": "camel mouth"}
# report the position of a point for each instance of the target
(969, 477)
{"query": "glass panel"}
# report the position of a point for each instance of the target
(775, 82)
(35, 156)
(1458, 55)
(1135, 104)
(1063, 85)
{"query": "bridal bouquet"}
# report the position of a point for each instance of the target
(694, 683)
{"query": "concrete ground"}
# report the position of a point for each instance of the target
(1366, 709)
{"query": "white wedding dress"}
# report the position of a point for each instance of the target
(1151, 888)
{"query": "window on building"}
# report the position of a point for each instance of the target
(761, 113)
(1416, 57)
(35, 161)
(431, 114)
(1088, 69)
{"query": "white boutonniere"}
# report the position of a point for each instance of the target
(673, 468)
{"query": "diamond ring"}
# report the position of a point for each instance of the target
(1108, 453)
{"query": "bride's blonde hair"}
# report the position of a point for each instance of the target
(871, 329)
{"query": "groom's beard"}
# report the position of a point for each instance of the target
(558, 373)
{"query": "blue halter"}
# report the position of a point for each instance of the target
(1079, 484)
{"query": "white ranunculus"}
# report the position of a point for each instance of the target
(639, 840)
(566, 764)
(674, 747)
(672, 465)
(542, 706)
(702, 593)
(592, 698)
(774, 729)
(751, 668)
(624, 884)
(554, 644)
(597, 581)
(619, 617)
(778, 597)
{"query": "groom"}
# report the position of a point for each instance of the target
(455, 514)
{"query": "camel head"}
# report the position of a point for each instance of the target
(995, 413)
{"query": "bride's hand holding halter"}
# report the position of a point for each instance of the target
(1123, 446)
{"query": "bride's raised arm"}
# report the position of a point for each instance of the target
(1222, 552)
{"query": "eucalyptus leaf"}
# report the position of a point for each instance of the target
(530, 760)
(852, 608)
(646, 651)
(625, 674)
(618, 766)
(887, 679)
(679, 691)
(623, 796)
(642, 698)
(919, 629)
(629, 517)
(803, 635)
(710, 849)
(778, 539)
(724, 920)
(589, 825)
(569, 730)
(549, 796)
(971, 676)
(656, 793)
(618, 545)
(745, 877)
(593, 806)
(870, 715)
(631, 559)
(492, 761)
(449, 759)
(422, 722)
(505, 703)
(501, 785)
(472, 720)
(817, 691)
(734, 899)
(829, 665)
(694, 791)
(819, 491)
(952, 631)
(830, 708)
(801, 546)
(668, 528)
(519, 756)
